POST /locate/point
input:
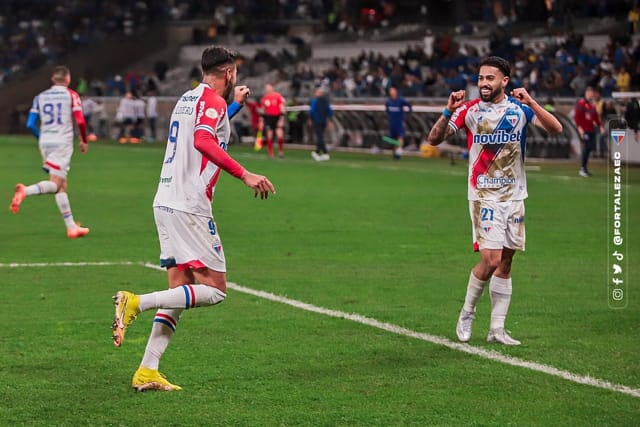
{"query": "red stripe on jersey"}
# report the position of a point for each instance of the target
(212, 183)
(483, 162)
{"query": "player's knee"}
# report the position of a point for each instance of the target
(215, 295)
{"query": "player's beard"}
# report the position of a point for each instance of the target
(228, 88)
(493, 96)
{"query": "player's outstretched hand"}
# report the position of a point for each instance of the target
(522, 95)
(260, 184)
(240, 94)
(84, 147)
(455, 100)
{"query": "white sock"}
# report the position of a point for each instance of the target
(185, 296)
(65, 209)
(43, 187)
(500, 290)
(474, 292)
(164, 325)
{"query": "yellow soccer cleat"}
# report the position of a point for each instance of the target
(127, 309)
(150, 379)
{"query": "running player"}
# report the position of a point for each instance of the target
(190, 246)
(496, 127)
(273, 109)
(395, 107)
(56, 108)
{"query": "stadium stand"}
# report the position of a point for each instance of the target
(355, 49)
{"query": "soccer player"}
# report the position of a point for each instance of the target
(56, 108)
(190, 246)
(395, 107)
(273, 108)
(496, 127)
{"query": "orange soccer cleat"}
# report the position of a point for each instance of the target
(18, 198)
(77, 231)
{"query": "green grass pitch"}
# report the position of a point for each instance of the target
(362, 234)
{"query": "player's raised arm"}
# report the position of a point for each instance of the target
(240, 95)
(441, 129)
(544, 119)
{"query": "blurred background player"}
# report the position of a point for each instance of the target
(588, 122)
(56, 108)
(190, 246)
(273, 109)
(395, 108)
(321, 116)
(89, 107)
(497, 187)
(152, 114)
(126, 117)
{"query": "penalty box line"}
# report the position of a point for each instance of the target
(389, 327)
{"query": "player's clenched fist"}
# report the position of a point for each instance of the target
(455, 100)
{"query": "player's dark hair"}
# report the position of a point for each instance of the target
(216, 58)
(60, 73)
(500, 63)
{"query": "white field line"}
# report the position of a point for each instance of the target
(389, 327)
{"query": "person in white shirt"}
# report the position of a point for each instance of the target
(190, 245)
(152, 114)
(56, 108)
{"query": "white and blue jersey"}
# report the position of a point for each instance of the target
(496, 139)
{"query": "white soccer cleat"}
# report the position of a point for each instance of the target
(463, 328)
(501, 336)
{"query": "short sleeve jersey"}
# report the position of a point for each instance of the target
(272, 104)
(496, 139)
(188, 179)
(55, 107)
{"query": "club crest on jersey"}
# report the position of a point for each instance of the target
(211, 113)
(512, 119)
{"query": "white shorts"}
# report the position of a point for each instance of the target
(497, 225)
(56, 158)
(188, 241)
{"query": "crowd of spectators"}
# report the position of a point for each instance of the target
(34, 33)
(559, 67)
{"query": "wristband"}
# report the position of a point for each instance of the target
(446, 113)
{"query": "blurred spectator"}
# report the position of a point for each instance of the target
(152, 114)
(88, 108)
(126, 118)
(632, 116)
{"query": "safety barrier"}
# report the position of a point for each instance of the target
(362, 125)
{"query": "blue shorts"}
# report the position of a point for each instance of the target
(396, 131)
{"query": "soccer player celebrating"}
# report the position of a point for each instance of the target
(496, 133)
(190, 246)
(56, 107)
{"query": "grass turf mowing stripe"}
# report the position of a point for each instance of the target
(434, 339)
